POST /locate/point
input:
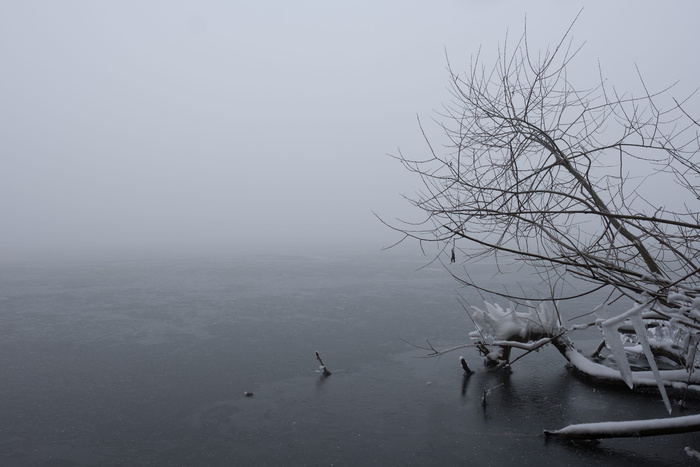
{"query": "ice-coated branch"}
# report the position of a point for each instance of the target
(679, 380)
(536, 326)
(529, 346)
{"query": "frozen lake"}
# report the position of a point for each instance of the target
(143, 361)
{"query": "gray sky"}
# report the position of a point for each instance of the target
(260, 125)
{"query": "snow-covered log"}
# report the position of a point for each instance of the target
(634, 428)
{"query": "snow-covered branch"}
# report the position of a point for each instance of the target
(634, 428)
(535, 326)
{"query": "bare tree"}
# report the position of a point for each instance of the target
(570, 184)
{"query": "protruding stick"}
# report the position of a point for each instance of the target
(467, 371)
(323, 368)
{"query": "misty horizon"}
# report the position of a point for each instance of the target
(131, 126)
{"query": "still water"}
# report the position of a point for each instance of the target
(144, 360)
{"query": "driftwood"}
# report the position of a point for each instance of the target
(634, 428)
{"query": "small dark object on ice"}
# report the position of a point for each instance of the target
(486, 393)
(467, 371)
(322, 368)
(248, 394)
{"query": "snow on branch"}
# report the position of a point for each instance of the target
(612, 337)
(511, 325)
(537, 325)
(676, 379)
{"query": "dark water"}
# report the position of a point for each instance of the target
(144, 362)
